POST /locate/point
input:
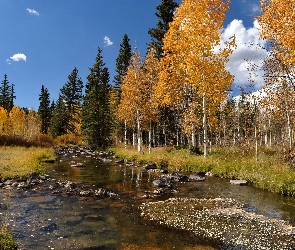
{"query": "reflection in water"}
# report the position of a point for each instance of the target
(41, 220)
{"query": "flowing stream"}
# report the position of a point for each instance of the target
(42, 219)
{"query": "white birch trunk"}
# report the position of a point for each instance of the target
(205, 125)
(138, 133)
(150, 138)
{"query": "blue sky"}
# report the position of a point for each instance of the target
(41, 41)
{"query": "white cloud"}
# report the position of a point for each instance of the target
(33, 12)
(107, 41)
(8, 61)
(18, 57)
(250, 51)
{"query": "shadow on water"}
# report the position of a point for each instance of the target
(40, 219)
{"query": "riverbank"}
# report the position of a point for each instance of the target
(21, 161)
(268, 171)
(18, 163)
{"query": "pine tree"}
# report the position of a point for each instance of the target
(122, 62)
(6, 94)
(71, 93)
(44, 110)
(165, 15)
(96, 122)
(59, 118)
(12, 97)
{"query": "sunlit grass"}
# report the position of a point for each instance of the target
(20, 161)
(268, 171)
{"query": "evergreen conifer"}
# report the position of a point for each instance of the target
(96, 122)
(44, 110)
(122, 62)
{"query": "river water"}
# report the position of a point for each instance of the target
(41, 219)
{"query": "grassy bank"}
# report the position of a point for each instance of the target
(20, 161)
(268, 172)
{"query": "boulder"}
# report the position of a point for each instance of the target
(150, 165)
(238, 182)
(198, 176)
(163, 181)
(174, 176)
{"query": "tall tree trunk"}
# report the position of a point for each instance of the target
(125, 135)
(239, 128)
(154, 136)
(139, 146)
(133, 138)
(289, 131)
(205, 126)
(256, 143)
(150, 137)
(193, 139)
(165, 137)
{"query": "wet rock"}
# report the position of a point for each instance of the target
(69, 185)
(179, 177)
(106, 159)
(43, 177)
(238, 182)
(22, 185)
(150, 165)
(198, 176)
(130, 163)
(8, 182)
(122, 161)
(77, 165)
(163, 181)
(85, 193)
(100, 192)
(14, 184)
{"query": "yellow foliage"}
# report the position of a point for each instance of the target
(3, 120)
(191, 65)
(17, 121)
(131, 97)
(277, 25)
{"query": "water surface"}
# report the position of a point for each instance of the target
(40, 219)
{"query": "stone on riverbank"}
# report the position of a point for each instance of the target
(239, 182)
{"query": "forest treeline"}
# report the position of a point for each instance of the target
(177, 94)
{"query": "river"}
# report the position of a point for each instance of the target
(42, 219)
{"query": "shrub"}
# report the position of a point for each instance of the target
(69, 139)
(6, 240)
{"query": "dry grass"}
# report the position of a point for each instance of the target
(20, 161)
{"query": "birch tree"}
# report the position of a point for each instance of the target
(150, 78)
(131, 107)
(192, 68)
